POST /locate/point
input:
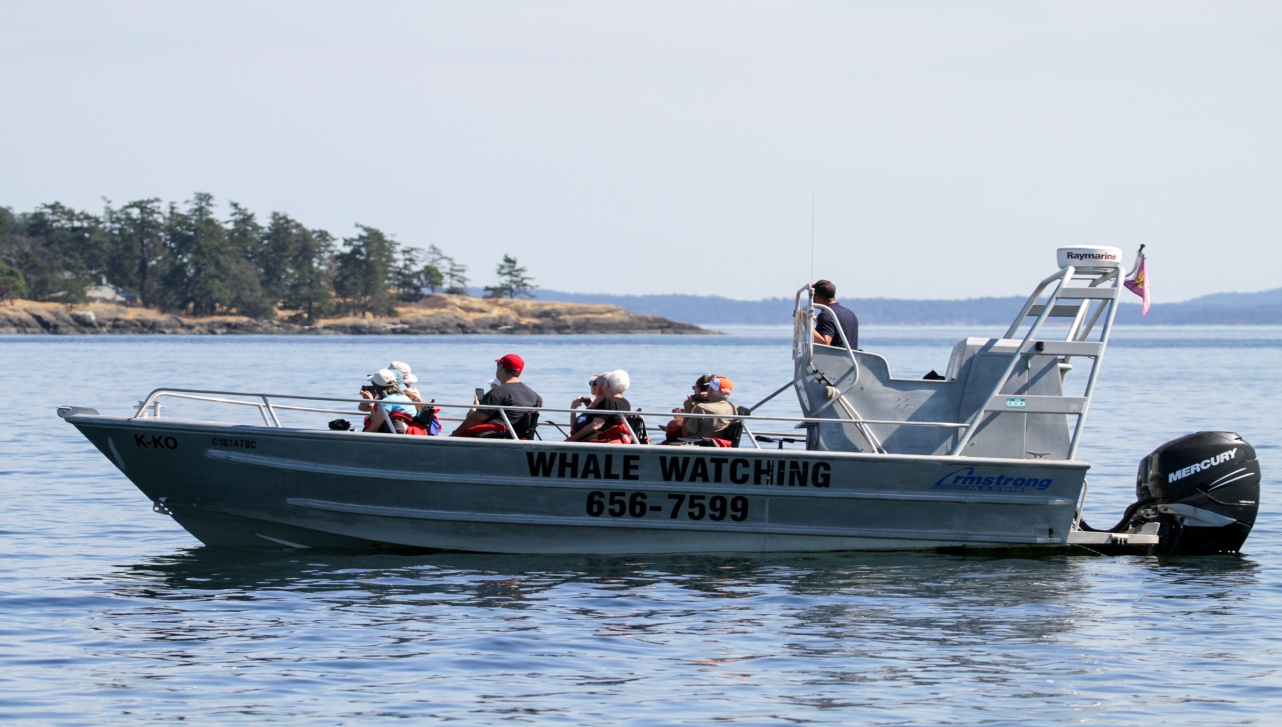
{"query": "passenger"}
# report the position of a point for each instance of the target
(400, 368)
(608, 389)
(511, 391)
(846, 321)
(674, 429)
(408, 386)
(594, 383)
(427, 418)
(386, 397)
(718, 393)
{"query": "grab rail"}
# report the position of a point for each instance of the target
(270, 406)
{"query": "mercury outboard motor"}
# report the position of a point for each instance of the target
(1202, 489)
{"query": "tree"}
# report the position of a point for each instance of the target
(140, 256)
(310, 289)
(413, 275)
(58, 251)
(250, 296)
(12, 284)
(365, 272)
(456, 278)
(297, 266)
(204, 275)
(275, 255)
(513, 282)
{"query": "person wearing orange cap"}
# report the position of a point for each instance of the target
(717, 403)
(511, 391)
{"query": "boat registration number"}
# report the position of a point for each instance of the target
(676, 506)
(235, 443)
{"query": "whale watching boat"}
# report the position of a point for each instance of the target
(982, 457)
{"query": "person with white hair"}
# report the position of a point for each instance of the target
(608, 390)
(596, 384)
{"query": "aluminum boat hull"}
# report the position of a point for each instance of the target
(276, 486)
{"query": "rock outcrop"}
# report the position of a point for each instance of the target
(435, 314)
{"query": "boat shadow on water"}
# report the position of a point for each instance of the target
(510, 580)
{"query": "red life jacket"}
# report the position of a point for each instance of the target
(484, 429)
(617, 434)
(400, 419)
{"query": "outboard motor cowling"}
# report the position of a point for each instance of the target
(1204, 491)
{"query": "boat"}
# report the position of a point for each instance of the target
(982, 457)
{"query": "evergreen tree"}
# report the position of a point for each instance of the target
(202, 279)
(513, 282)
(140, 256)
(276, 254)
(57, 251)
(309, 289)
(365, 273)
(456, 278)
(12, 284)
(437, 262)
(413, 275)
(244, 250)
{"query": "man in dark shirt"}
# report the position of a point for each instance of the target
(826, 329)
(511, 391)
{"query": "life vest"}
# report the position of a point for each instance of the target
(617, 434)
(425, 424)
(484, 429)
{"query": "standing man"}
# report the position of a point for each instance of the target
(511, 391)
(846, 322)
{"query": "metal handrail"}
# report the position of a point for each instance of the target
(1075, 332)
(856, 418)
(269, 401)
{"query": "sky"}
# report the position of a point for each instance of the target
(902, 149)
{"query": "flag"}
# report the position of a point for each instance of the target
(1137, 283)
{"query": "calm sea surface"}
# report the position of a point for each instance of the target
(112, 614)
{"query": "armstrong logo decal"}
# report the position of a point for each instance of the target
(966, 479)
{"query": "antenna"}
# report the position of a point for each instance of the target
(812, 237)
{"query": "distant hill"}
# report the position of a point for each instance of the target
(1263, 308)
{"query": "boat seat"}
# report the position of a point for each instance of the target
(731, 434)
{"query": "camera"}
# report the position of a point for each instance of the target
(372, 389)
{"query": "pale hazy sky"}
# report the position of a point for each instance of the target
(676, 147)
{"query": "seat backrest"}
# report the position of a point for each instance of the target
(637, 423)
(734, 432)
(526, 424)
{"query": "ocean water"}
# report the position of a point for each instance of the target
(112, 614)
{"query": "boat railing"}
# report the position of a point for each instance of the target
(1077, 304)
(1084, 296)
(756, 428)
(804, 318)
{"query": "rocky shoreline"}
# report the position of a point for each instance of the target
(434, 315)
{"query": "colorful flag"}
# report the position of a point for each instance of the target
(1137, 283)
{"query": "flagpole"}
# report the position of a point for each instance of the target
(1139, 255)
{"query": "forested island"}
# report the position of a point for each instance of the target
(148, 267)
(183, 259)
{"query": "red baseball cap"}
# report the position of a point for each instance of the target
(512, 363)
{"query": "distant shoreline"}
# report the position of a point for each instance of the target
(1262, 308)
(434, 315)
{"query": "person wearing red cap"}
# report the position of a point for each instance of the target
(511, 391)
